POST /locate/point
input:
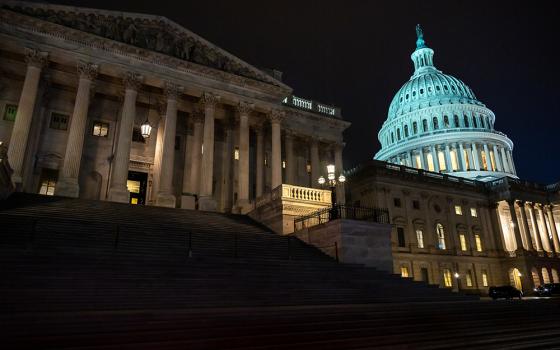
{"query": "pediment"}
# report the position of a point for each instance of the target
(150, 32)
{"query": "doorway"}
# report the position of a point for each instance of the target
(424, 273)
(137, 184)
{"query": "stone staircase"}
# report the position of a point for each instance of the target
(90, 274)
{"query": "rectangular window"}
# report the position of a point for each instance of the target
(100, 129)
(47, 187)
(447, 279)
(474, 213)
(59, 121)
(397, 202)
(416, 204)
(441, 160)
(420, 238)
(133, 186)
(236, 153)
(404, 271)
(469, 278)
(458, 210)
(463, 241)
(283, 164)
(478, 243)
(400, 237)
(308, 168)
(484, 278)
(10, 113)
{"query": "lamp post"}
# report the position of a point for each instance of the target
(332, 182)
(146, 127)
(457, 277)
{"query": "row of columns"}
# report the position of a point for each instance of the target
(532, 240)
(502, 157)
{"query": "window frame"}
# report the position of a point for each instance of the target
(56, 125)
(101, 125)
(4, 114)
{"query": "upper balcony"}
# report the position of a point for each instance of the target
(312, 106)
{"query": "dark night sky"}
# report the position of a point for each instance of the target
(356, 55)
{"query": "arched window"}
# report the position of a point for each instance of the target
(440, 236)
(421, 61)
(392, 138)
(424, 125)
(414, 128)
(456, 121)
(482, 122)
(466, 120)
(488, 123)
(398, 134)
(474, 122)
(406, 131)
(446, 121)
(435, 121)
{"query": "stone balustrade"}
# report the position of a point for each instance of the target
(310, 105)
(304, 194)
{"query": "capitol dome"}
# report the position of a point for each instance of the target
(436, 123)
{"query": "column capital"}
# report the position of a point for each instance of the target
(87, 70)
(276, 116)
(520, 202)
(132, 81)
(197, 115)
(258, 126)
(244, 108)
(172, 90)
(36, 58)
(209, 100)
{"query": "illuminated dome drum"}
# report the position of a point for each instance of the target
(436, 123)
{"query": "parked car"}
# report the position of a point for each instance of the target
(507, 292)
(548, 289)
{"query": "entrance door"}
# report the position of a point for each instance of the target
(137, 184)
(424, 272)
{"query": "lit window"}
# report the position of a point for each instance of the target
(440, 236)
(133, 186)
(466, 158)
(283, 164)
(493, 161)
(458, 210)
(420, 238)
(404, 271)
(308, 168)
(236, 153)
(10, 113)
(478, 243)
(454, 160)
(484, 162)
(100, 129)
(441, 160)
(58, 121)
(484, 278)
(418, 162)
(463, 241)
(474, 213)
(266, 159)
(469, 278)
(47, 187)
(447, 279)
(430, 162)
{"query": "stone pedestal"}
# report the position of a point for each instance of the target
(119, 195)
(207, 204)
(165, 200)
(188, 202)
(68, 187)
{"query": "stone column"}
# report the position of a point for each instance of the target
(510, 160)
(276, 117)
(540, 210)
(423, 162)
(206, 200)
(339, 166)
(515, 221)
(18, 141)
(536, 227)
(67, 185)
(290, 159)
(260, 161)
(159, 149)
(499, 166)
(244, 109)
(488, 158)
(409, 159)
(525, 223)
(435, 158)
(476, 158)
(118, 191)
(315, 163)
(462, 157)
(165, 196)
(553, 230)
(507, 168)
(448, 163)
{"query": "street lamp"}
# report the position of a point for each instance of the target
(332, 182)
(146, 127)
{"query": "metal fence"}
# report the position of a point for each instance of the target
(378, 215)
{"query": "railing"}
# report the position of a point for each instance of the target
(310, 105)
(378, 215)
(296, 193)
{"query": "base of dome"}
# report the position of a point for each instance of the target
(482, 175)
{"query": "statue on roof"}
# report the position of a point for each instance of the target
(420, 43)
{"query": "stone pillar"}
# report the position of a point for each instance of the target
(260, 161)
(244, 109)
(510, 160)
(515, 221)
(553, 230)
(315, 163)
(526, 233)
(276, 117)
(499, 166)
(409, 159)
(448, 163)
(67, 185)
(206, 200)
(165, 196)
(18, 141)
(536, 227)
(290, 159)
(161, 109)
(476, 158)
(540, 210)
(505, 162)
(435, 158)
(488, 158)
(462, 157)
(423, 162)
(339, 166)
(118, 191)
